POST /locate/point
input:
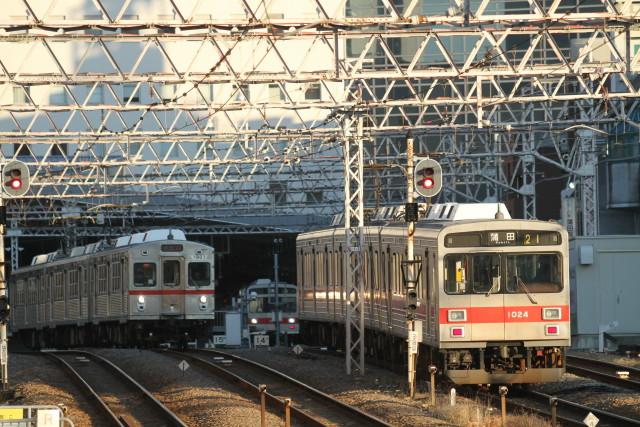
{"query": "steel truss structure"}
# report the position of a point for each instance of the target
(178, 99)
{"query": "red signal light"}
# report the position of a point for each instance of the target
(428, 183)
(15, 183)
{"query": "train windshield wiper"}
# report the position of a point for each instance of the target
(493, 286)
(526, 290)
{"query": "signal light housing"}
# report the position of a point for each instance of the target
(427, 177)
(412, 299)
(17, 179)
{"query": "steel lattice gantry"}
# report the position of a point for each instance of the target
(239, 110)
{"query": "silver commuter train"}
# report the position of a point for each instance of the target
(493, 294)
(260, 300)
(144, 287)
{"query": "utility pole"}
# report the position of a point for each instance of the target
(4, 301)
(276, 317)
(410, 218)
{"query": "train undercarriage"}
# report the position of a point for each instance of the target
(146, 334)
(498, 363)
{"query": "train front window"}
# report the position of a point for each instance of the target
(287, 303)
(534, 273)
(472, 274)
(199, 274)
(171, 273)
(261, 303)
(144, 274)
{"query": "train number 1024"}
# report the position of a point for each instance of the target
(517, 314)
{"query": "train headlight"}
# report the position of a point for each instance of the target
(141, 299)
(292, 320)
(203, 299)
(254, 321)
(551, 313)
(457, 315)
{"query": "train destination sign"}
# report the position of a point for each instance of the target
(502, 238)
(171, 248)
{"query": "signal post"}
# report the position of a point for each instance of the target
(15, 183)
(426, 180)
(411, 216)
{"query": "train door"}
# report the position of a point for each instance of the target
(487, 298)
(172, 286)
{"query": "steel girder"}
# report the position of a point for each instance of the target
(354, 240)
(203, 126)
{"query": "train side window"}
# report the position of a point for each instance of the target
(116, 274)
(455, 274)
(199, 274)
(102, 280)
(59, 286)
(171, 273)
(20, 292)
(144, 274)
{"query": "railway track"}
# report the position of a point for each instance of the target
(122, 400)
(568, 413)
(604, 372)
(309, 406)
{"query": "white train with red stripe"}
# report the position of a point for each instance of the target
(138, 289)
(493, 295)
(260, 297)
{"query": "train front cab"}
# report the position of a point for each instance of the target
(261, 305)
(504, 306)
(179, 285)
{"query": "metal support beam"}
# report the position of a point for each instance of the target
(354, 238)
(528, 187)
(14, 246)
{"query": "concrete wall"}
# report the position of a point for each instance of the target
(605, 288)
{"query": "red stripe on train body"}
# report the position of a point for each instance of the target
(503, 314)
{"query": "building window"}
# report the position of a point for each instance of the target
(279, 191)
(314, 197)
(129, 93)
(241, 93)
(58, 96)
(166, 93)
(21, 95)
(206, 91)
(97, 96)
(313, 92)
(275, 92)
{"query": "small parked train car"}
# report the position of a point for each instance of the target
(144, 287)
(493, 296)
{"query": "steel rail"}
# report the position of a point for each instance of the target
(112, 418)
(568, 413)
(355, 414)
(162, 411)
(604, 371)
(573, 412)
